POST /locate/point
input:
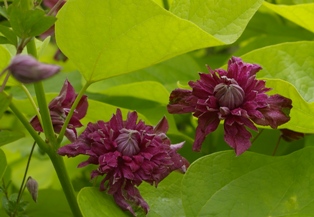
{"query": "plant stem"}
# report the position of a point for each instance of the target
(277, 145)
(51, 149)
(68, 118)
(42, 103)
(41, 143)
(55, 7)
(22, 188)
(255, 138)
(29, 96)
(64, 179)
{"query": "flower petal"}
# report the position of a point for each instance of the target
(276, 113)
(207, 123)
(181, 101)
(237, 137)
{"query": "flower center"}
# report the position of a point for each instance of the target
(229, 93)
(127, 142)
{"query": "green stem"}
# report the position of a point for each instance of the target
(29, 96)
(41, 143)
(64, 179)
(68, 118)
(55, 7)
(42, 103)
(277, 145)
(255, 138)
(22, 188)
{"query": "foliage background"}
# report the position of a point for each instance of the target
(135, 53)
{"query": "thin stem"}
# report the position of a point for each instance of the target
(5, 81)
(29, 96)
(41, 143)
(42, 103)
(277, 145)
(255, 138)
(6, 4)
(64, 179)
(68, 118)
(55, 7)
(22, 188)
(4, 188)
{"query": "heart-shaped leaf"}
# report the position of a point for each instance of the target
(301, 14)
(292, 62)
(128, 35)
(256, 185)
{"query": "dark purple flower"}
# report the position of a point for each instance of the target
(27, 69)
(127, 153)
(236, 97)
(59, 108)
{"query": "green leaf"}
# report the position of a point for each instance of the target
(5, 57)
(50, 203)
(102, 111)
(5, 101)
(92, 202)
(256, 185)
(181, 69)
(3, 163)
(165, 200)
(129, 35)
(301, 14)
(29, 23)
(224, 20)
(148, 90)
(3, 12)
(294, 63)
(9, 34)
(7, 136)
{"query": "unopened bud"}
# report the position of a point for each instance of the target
(229, 94)
(32, 187)
(27, 69)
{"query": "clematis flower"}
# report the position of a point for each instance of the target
(234, 96)
(127, 153)
(27, 69)
(59, 108)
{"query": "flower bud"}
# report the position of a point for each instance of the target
(229, 95)
(32, 187)
(27, 69)
(127, 142)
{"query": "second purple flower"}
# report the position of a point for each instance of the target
(234, 96)
(59, 108)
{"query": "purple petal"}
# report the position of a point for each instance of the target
(181, 101)
(207, 123)
(237, 137)
(162, 126)
(277, 112)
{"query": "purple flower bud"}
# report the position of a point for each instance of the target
(229, 95)
(127, 142)
(27, 69)
(32, 187)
